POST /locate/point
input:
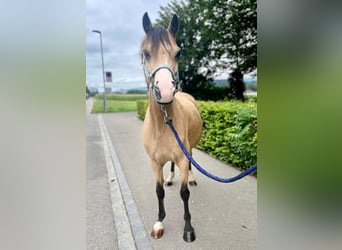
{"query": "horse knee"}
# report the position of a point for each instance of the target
(185, 193)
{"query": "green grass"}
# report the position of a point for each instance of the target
(122, 97)
(117, 103)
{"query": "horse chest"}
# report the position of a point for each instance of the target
(162, 146)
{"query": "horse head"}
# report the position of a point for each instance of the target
(160, 54)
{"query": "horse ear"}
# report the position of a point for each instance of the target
(173, 26)
(147, 23)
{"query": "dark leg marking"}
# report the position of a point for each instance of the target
(158, 230)
(189, 232)
(160, 194)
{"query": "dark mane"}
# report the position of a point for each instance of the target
(156, 36)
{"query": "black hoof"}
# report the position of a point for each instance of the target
(189, 236)
(192, 183)
(168, 183)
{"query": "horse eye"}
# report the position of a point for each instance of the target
(147, 55)
(178, 54)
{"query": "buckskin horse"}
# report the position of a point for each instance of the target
(160, 55)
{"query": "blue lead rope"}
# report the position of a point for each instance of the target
(252, 169)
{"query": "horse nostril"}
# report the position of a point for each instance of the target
(157, 82)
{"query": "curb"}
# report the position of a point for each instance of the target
(130, 230)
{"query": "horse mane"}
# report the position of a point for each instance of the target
(156, 36)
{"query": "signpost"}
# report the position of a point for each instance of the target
(103, 74)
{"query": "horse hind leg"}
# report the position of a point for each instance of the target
(192, 181)
(168, 181)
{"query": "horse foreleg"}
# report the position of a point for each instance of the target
(189, 232)
(169, 179)
(158, 230)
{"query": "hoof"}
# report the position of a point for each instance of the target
(157, 231)
(189, 236)
(193, 183)
(157, 234)
(168, 183)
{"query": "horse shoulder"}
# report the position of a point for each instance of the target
(188, 107)
(185, 97)
(191, 119)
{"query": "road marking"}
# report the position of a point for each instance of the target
(130, 230)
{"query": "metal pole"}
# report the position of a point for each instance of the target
(103, 74)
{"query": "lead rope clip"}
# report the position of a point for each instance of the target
(166, 116)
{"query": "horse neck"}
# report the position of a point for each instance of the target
(156, 114)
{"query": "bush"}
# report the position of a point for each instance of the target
(141, 108)
(229, 131)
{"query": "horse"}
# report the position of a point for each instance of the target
(160, 55)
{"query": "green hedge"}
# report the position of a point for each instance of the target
(229, 131)
(141, 108)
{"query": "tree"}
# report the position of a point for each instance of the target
(215, 36)
(243, 43)
(232, 25)
(193, 48)
(237, 85)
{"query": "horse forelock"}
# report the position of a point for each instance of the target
(156, 36)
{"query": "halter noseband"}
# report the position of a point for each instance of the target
(150, 78)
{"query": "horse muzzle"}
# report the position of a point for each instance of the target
(164, 86)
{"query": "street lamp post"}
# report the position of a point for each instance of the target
(103, 74)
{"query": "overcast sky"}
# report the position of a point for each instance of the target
(120, 22)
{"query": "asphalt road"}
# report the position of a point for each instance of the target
(224, 215)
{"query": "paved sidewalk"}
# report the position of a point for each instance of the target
(100, 228)
(224, 215)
